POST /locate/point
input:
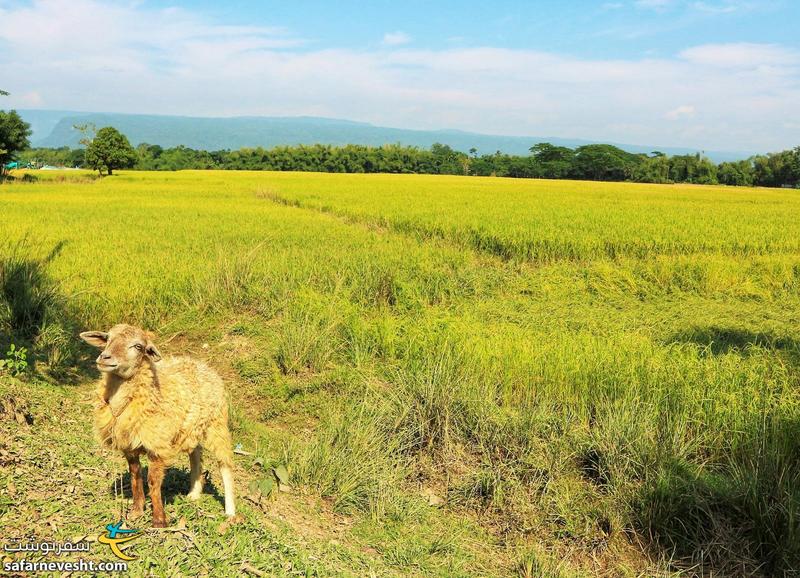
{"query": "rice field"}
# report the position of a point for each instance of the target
(580, 378)
(545, 221)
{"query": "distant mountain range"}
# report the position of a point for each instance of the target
(54, 128)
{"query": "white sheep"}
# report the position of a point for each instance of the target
(160, 409)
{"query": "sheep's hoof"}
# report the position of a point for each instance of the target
(159, 523)
(194, 496)
(135, 513)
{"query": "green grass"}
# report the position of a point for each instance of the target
(464, 376)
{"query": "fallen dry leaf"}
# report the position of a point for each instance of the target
(228, 522)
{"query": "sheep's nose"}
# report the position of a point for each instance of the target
(104, 356)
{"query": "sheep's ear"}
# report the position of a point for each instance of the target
(96, 338)
(152, 352)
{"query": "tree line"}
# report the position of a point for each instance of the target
(107, 149)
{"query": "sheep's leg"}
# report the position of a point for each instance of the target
(196, 474)
(227, 483)
(137, 486)
(218, 442)
(155, 477)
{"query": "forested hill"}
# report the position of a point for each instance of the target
(55, 129)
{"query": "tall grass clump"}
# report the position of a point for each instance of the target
(355, 459)
(231, 283)
(33, 311)
(310, 338)
(446, 396)
(739, 514)
(432, 397)
(30, 295)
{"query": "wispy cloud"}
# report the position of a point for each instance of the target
(685, 110)
(712, 7)
(654, 4)
(715, 8)
(742, 55)
(91, 55)
(720, 7)
(396, 38)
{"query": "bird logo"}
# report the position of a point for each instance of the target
(118, 535)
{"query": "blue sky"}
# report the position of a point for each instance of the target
(713, 74)
(613, 29)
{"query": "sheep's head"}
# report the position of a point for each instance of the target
(124, 347)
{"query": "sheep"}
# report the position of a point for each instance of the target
(159, 409)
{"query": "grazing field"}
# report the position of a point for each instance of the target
(462, 376)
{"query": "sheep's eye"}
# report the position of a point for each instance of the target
(139, 347)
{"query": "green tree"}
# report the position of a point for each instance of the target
(599, 162)
(14, 133)
(739, 173)
(653, 169)
(555, 161)
(604, 162)
(446, 160)
(692, 169)
(110, 150)
(795, 167)
(776, 169)
(148, 157)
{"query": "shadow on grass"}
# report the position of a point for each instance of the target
(722, 340)
(740, 514)
(35, 314)
(738, 518)
(176, 483)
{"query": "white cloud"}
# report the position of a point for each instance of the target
(653, 4)
(32, 99)
(709, 7)
(396, 38)
(91, 55)
(685, 110)
(715, 8)
(741, 55)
